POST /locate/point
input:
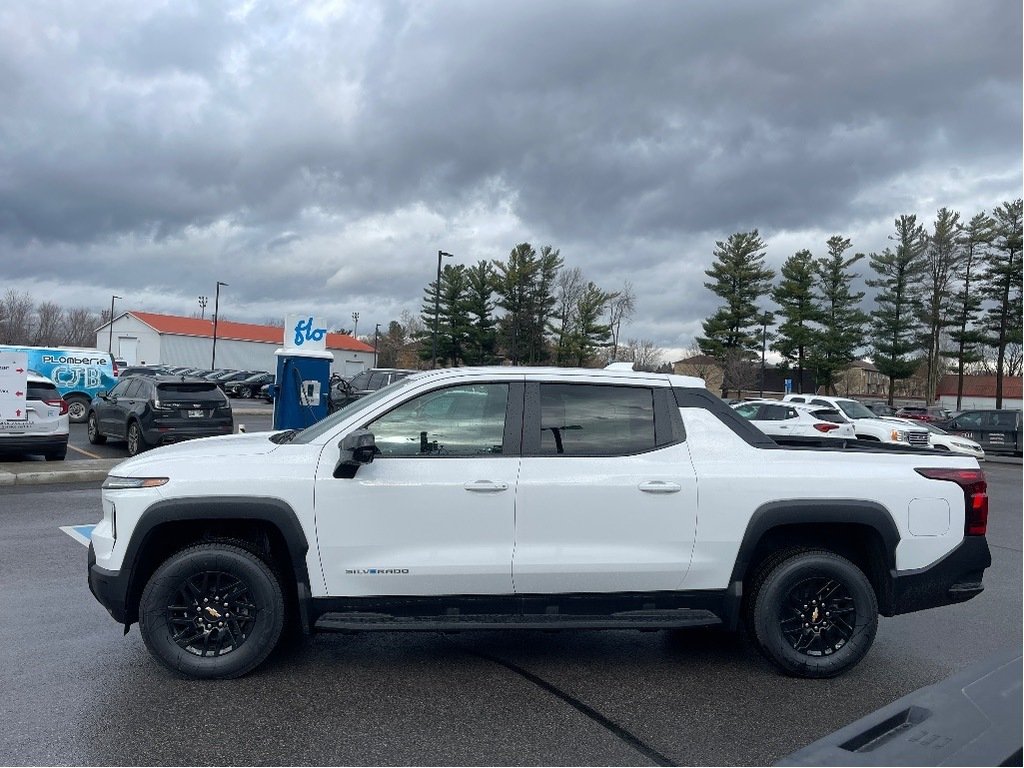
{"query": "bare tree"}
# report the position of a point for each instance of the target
(738, 373)
(569, 289)
(80, 327)
(16, 317)
(644, 354)
(620, 308)
(49, 328)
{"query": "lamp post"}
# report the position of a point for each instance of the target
(110, 336)
(437, 305)
(203, 301)
(216, 317)
(764, 346)
(355, 324)
(376, 336)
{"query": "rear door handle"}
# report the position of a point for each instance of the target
(660, 486)
(486, 486)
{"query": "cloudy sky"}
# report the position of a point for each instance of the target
(318, 154)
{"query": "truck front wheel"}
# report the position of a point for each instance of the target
(815, 614)
(212, 611)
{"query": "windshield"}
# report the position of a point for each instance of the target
(855, 410)
(932, 428)
(309, 434)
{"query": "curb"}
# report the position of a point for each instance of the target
(95, 471)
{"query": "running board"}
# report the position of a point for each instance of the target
(377, 622)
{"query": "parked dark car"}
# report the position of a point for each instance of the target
(930, 413)
(225, 380)
(344, 392)
(997, 431)
(249, 386)
(881, 409)
(147, 411)
(135, 370)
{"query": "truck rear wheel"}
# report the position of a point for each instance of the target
(78, 408)
(212, 611)
(815, 614)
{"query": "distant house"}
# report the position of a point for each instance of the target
(174, 340)
(862, 380)
(980, 392)
(703, 367)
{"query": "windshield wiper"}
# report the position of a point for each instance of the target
(284, 437)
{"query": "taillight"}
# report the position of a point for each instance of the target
(975, 495)
(113, 364)
(58, 403)
(826, 427)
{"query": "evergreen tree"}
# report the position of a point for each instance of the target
(798, 311)
(738, 275)
(965, 303)
(942, 258)
(894, 321)
(1002, 280)
(841, 334)
(524, 285)
(481, 334)
(589, 333)
(453, 317)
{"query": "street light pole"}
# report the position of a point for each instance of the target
(110, 336)
(764, 346)
(203, 301)
(376, 336)
(355, 324)
(216, 317)
(437, 305)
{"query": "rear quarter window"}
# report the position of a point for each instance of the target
(41, 391)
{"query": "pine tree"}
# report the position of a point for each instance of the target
(481, 335)
(942, 258)
(590, 334)
(524, 285)
(894, 321)
(794, 295)
(965, 302)
(841, 334)
(453, 318)
(1002, 280)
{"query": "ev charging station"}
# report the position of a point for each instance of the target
(303, 374)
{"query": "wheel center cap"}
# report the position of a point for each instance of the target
(213, 613)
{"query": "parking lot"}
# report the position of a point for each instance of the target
(80, 693)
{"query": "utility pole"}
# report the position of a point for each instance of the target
(203, 301)
(764, 347)
(355, 324)
(110, 337)
(437, 305)
(376, 336)
(216, 317)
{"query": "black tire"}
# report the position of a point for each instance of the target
(815, 614)
(136, 440)
(78, 408)
(93, 430)
(183, 630)
(57, 455)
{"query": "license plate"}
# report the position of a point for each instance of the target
(16, 425)
(196, 414)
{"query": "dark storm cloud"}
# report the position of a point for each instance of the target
(328, 147)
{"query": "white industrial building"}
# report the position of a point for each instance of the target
(147, 337)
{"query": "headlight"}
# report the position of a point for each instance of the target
(113, 482)
(899, 436)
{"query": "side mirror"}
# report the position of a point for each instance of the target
(355, 449)
(102, 394)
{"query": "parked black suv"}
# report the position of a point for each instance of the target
(249, 387)
(154, 410)
(344, 392)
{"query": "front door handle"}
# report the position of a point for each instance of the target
(660, 486)
(486, 486)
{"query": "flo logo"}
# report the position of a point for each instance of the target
(304, 331)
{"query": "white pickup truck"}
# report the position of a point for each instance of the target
(502, 498)
(866, 424)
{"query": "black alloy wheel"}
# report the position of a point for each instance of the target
(136, 441)
(213, 610)
(813, 613)
(93, 430)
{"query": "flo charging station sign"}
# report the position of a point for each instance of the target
(304, 332)
(13, 386)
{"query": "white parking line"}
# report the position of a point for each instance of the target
(84, 452)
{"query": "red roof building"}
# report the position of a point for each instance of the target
(980, 391)
(138, 337)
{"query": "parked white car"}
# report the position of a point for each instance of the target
(44, 430)
(945, 441)
(777, 419)
(867, 424)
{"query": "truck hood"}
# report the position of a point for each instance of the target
(902, 422)
(250, 444)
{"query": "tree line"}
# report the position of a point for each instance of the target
(526, 309)
(46, 324)
(945, 298)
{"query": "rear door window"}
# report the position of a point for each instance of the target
(595, 420)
